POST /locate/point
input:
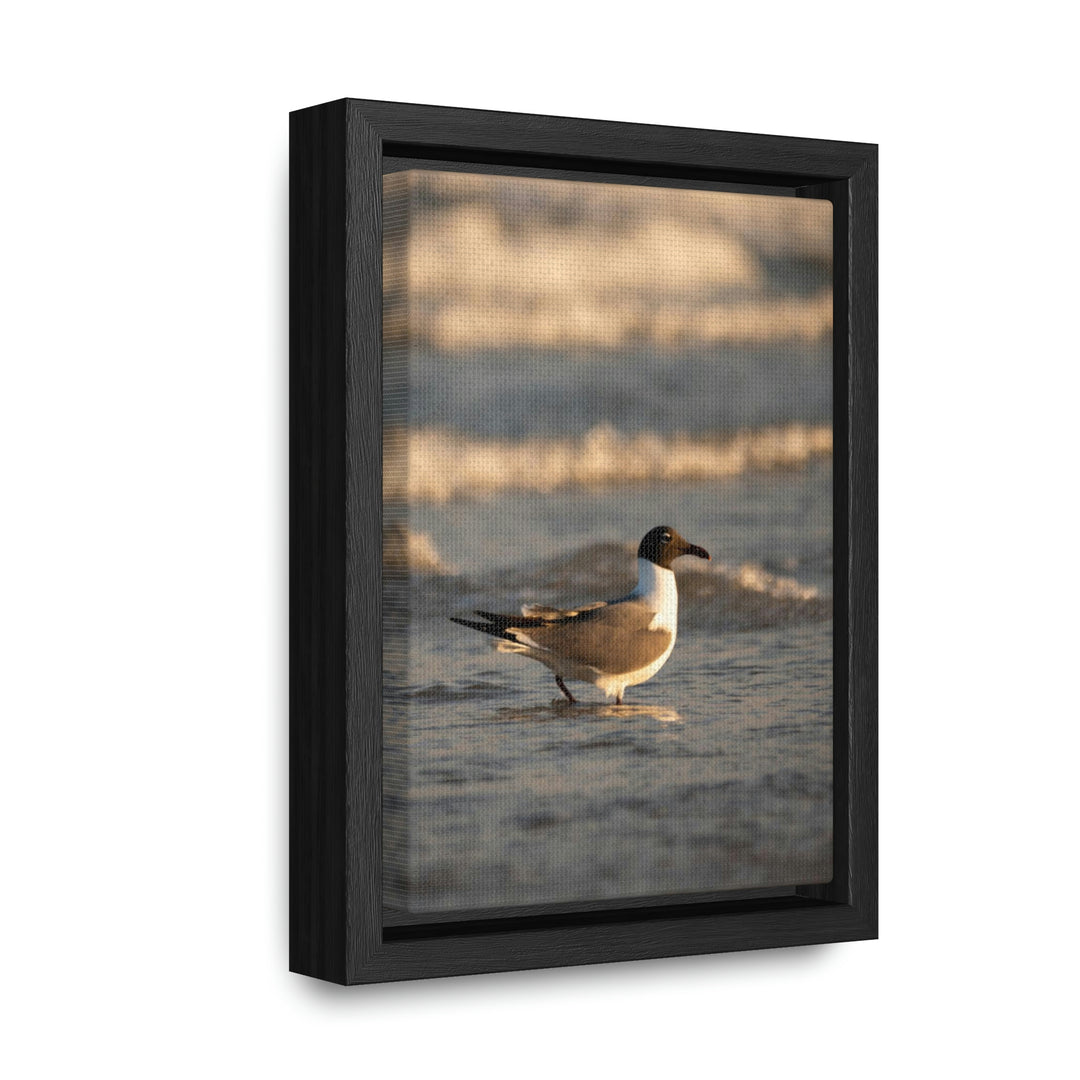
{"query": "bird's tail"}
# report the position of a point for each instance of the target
(511, 632)
(493, 627)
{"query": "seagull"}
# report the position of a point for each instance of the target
(611, 644)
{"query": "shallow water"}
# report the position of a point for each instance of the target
(716, 774)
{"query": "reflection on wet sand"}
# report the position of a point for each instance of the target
(561, 709)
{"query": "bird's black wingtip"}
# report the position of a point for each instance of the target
(484, 627)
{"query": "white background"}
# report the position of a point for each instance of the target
(144, 610)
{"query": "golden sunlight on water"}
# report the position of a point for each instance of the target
(510, 262)
(445, 465)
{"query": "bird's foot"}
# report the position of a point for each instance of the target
(566, 693)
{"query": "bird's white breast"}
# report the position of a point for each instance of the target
(656, 587)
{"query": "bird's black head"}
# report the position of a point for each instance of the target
(663, 545)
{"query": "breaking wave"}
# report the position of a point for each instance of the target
(423, 558)
(445, 465)
(713, 595)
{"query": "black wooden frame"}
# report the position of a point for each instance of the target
(337, 929)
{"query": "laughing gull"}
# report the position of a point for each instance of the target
(611, 644)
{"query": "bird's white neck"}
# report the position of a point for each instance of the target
(656, 586)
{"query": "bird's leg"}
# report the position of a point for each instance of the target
(618, 699)
(562, 686)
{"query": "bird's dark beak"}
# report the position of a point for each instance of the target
(700, 552)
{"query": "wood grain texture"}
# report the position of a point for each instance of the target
(429, 130)
(862, 568)
(317, 808)
(338, 929)
(363, 541)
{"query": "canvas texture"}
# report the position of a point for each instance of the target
(568, 365)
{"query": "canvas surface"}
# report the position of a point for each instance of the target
(566, 366)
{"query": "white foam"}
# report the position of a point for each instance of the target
(444, 465)
(756, 578)
(423, 557)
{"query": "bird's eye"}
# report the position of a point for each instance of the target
(666, 538)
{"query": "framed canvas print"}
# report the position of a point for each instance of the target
(583, 535)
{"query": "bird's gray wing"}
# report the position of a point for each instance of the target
(612, 638)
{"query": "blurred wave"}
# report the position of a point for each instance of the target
(445, 465)
(690, 392)
(421, 554)
(713, 595)
(506, 262)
